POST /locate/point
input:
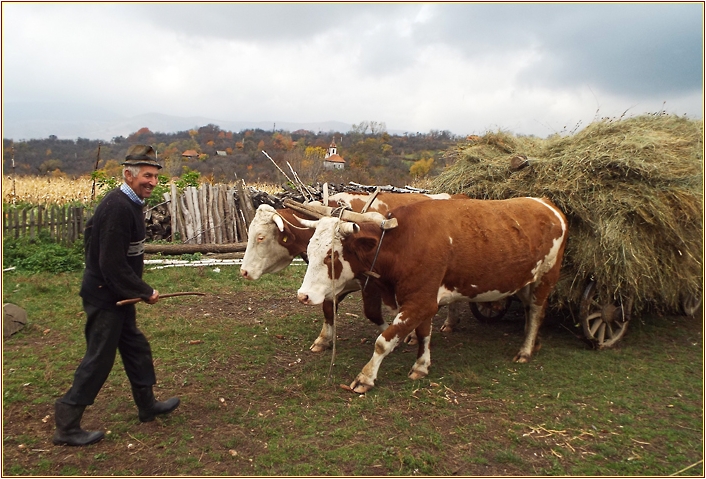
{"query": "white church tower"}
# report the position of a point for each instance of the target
(332, 161)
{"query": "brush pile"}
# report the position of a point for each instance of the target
(632, 190)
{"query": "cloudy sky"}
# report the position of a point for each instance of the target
(528, 68)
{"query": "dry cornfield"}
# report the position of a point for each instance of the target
(42, 190)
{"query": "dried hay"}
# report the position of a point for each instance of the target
(632, 190)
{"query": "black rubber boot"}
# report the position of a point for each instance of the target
(148, 407)
(68, 426)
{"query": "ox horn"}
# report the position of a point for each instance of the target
(320, 211)
(278, 221)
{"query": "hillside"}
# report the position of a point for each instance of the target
(223, 155)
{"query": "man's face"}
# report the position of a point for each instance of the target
(144, 182)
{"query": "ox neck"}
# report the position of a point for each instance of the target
(370, 272)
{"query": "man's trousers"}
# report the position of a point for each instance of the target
(108, 331)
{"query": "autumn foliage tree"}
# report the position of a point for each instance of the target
(421, 168)
(372, 155)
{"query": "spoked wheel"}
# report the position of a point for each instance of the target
(691, 305)
(491, 311)
(603, 324)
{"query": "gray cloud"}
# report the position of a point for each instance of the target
(415, 66)
(263, 22)
(632, 48)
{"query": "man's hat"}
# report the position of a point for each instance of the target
(141, 155)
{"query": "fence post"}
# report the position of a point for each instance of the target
(52, 223)
(40, 218)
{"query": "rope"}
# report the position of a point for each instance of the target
(335, 297)
(375, 258)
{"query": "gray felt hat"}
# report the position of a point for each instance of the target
(141, 155)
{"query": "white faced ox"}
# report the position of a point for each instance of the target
(441, 252)
(276, 237)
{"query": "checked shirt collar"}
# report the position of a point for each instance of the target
(131, 194)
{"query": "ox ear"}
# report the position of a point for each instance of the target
(278, 221)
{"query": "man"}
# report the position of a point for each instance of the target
(115, 243)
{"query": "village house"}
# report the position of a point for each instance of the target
(332, 161)
(190, 154)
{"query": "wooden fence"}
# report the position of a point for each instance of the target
(64, 224)
(210, 214)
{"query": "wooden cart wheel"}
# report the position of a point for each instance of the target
(491, 311)
(603, 324)
(691, 305)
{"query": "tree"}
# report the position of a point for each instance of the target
(112, 169)
(421, 168)
(50, 165)
(307, 162)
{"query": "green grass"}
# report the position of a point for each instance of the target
(256, 401)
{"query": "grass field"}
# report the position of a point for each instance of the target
(256, 401)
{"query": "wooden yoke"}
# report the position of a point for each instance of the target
(319, 211)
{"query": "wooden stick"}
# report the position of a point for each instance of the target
(168, 295)
(370, 200)
(280, 169)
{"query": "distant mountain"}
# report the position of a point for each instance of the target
(36, 120)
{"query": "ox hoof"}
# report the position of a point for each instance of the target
(411, 339)
(521, 358)
(360, 388)
(414, 375)
(445, 328)
(318, 348)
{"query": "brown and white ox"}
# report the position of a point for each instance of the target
(441, 252)
(276, 237)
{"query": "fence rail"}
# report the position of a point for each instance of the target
(64, 224)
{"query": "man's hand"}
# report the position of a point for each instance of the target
(154, 298)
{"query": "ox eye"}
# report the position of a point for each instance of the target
(260, 239)
(327, 261)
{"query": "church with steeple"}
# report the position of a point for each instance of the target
(332, 161)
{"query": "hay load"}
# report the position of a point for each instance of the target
(632, 190)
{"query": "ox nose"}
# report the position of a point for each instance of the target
(303, 298)
(244, 273)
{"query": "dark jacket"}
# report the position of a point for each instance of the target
(114, 241)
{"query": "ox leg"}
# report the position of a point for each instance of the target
(384, 345)
(534, 298)
(421, 366)
(403, 324)
(453, 317)
(325, 339)
(411, 338)
(532, 324)
(372, 307)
